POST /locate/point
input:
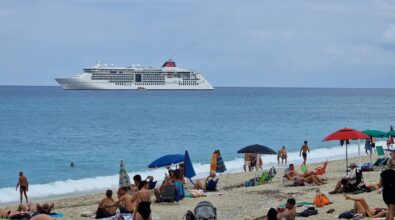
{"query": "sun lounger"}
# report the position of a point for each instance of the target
(381, 162)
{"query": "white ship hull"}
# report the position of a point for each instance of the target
(75, 84)
(108, 77)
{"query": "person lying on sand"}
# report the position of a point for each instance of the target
(124, 202)
(107, 206)
(301, 179)
(362, 208)
(42, 217)
(289, 212)
(13, 214)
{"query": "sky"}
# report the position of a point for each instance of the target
(253, 43)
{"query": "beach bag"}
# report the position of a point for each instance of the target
(205, 211)
(347, 215)
(320, 200)
(190, 215)
(308, 212)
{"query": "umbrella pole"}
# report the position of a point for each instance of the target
(359, 153)
(346, 158)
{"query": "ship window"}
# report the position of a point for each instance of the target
(138, 77)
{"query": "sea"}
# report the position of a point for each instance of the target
(44, 129)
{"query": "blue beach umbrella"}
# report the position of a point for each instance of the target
(189, 172)
(124, 179)
(167, 160)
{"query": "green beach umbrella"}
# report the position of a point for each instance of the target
(375, 133)
(392, 133)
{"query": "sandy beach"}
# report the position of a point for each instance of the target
(235, 202)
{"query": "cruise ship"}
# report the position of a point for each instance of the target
(103, 76)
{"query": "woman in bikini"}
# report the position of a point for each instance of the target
(143, 201)
(361, 207)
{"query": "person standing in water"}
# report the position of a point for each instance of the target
(23, 186)
(303, 152)
(283, 155)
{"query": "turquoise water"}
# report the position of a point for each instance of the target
(43, 129)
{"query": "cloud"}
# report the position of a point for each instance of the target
(389, 34)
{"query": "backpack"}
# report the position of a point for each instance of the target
(205, 211)
(320, 200)
(190, 215)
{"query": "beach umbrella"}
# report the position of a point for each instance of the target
(124, 179)
(391, 133)
(167, 160)
(344, 135)
(189, 172)
(257, 149)
(375, 133)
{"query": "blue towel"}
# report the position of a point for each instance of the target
(180, 190)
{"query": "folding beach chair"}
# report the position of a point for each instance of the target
(381, 162)
(169, 194)
(212, 185)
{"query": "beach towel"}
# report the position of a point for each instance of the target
(213, 163)
(220, 168)
(298, 204)
(180, 190)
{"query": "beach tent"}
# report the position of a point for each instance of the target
(167, 160)
(344, 135)
(124, 179)
(257, 149)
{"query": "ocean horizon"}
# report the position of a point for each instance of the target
(44, 128)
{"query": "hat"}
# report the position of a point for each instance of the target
(353, 164)
(212, 172)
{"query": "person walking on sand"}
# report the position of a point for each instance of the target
(284, 156)
(247, 161)
(23, 186)
(303, 152)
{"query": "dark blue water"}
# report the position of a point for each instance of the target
(43, 129)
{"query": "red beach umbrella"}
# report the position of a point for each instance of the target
(344, 135)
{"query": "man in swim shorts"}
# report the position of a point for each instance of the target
(23, 186)
(303, 151)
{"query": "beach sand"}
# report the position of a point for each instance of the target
(245, 203)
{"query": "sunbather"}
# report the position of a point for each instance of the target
(124, 202)
(362, 208)
(107, 207)
(289, 212)
(346, 182)
(42, 217)
(301, 179)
